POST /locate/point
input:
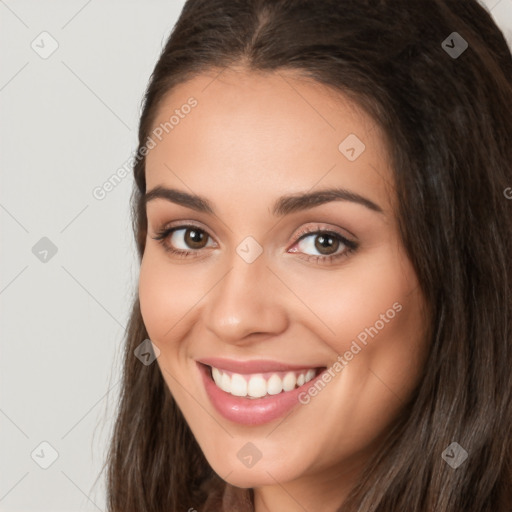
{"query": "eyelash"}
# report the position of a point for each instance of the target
(350, 246)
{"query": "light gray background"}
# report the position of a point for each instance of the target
(67, 123)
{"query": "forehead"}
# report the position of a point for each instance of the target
(268, 131)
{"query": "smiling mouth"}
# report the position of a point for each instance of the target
(261, 385)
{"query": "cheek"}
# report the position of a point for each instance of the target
(375, 296)
(380, 333)
(166, 295)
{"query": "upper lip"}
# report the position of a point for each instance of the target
(253, 366)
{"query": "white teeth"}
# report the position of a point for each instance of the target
(309, 375)
(217, 376)
(289, 381)
(274, 385)
(256, 386)
(238, 385)
(225, 383)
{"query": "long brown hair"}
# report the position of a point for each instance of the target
(448, 123)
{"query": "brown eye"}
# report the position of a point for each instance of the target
(195, 238)
(326, 244)
(321, 243)
(185, 241)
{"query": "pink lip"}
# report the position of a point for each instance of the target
(255, 366)
(248, 411)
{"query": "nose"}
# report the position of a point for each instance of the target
(246, 302)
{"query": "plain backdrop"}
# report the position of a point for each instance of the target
(72, 77)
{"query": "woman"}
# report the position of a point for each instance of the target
(325, 239)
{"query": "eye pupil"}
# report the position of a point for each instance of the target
(323, 242)
(195, 238)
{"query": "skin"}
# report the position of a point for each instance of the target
(251, 139)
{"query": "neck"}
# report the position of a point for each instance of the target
(329, 489)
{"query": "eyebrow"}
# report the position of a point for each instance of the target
(283, 206)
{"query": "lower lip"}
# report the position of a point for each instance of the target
(248, 411)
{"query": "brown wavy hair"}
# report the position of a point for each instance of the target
(448, 123)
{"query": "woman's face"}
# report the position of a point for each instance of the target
(288, 259)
